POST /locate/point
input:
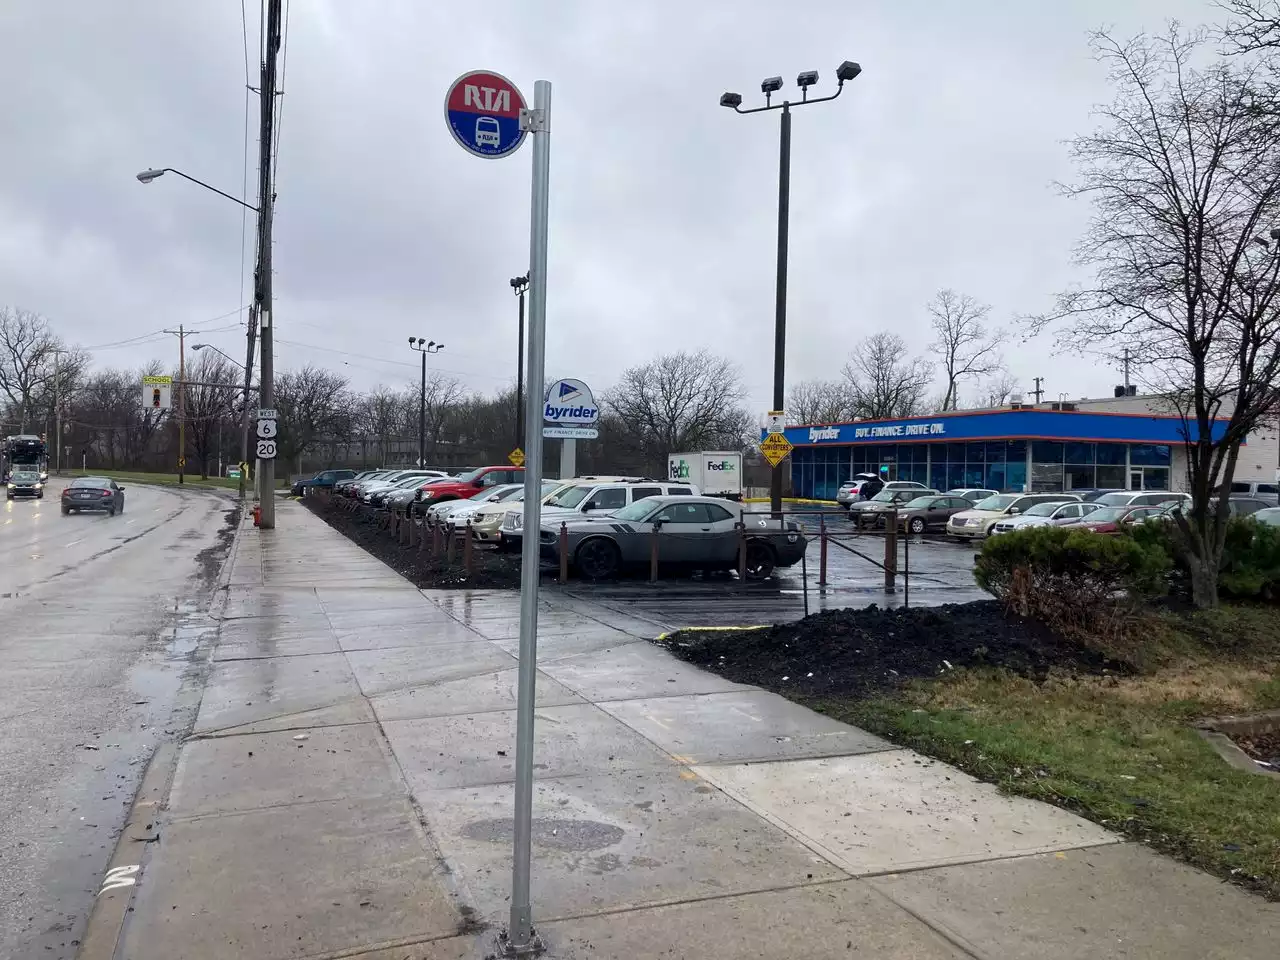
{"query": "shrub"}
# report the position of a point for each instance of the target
(1081, 584)
(1250, 556)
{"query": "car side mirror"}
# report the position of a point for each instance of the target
(1013, 510)
(121, 489)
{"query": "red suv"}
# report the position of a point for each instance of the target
(469, 483)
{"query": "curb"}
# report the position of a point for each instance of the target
(114, 899)
(223, 585)
(663, 637)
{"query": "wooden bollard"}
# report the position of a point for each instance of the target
(742, 551)
(449, 546)
(467, 548)
(653, 553)
(890, 551)
(564, 552)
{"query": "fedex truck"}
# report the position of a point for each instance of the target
(717, 473)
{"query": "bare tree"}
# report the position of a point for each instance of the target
(212, 396)
(884, 382)
(314, 406)
(820, 401)
(1184, 175)
(998, 389)
(680, 401)
(966, 348)
(1254, 26)
(28, 350)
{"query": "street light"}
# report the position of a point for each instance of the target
(146, 176)
(519, 285)
(424, 347)
(846, 71)
(244, 416)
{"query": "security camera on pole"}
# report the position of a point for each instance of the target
(487, 116)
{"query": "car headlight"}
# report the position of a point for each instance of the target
(11, 486)
(427, 494)
(39, 486)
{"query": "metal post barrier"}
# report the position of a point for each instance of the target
(435, 538)
(406, 528)
(467, 547)
(564, 552)
(822, 551)
(449, 542)
(653, 552)
(742, 551)
(890, 551)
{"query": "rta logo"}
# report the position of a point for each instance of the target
(488, 99)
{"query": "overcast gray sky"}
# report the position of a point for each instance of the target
(933, 169)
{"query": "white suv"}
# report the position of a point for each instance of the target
(593, 498)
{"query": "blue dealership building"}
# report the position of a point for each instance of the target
(1118, 443)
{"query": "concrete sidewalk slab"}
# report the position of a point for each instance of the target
(478, 748)
(343, 713)
(828, 921)
(226, 774)
(265, 642)
(586, 639)
(381, 671)
(903, 812)
(740, 725)
(290, 882)
(611, 842)
(634, 670)
(390, 617)
(476, 694)
(243, 691)
(427, 633)
(551, 623)
(255, 602)
(469, 605)
(344, 600)
(1121, 901)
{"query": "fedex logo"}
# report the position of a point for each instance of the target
(488, 99)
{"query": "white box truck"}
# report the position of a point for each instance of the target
(717, 473)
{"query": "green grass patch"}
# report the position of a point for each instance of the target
(169, 479)
(1117, 750)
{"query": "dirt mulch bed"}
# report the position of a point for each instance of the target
(861, 652)
(489, 569)
(1262, 747)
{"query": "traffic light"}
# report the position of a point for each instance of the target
(155, 398)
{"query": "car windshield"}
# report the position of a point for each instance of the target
(98, 482)
(885, 496)
(570, 496)
(999, 502)
(1041, 510)
(1117, 499)
(1107, 514)
(26, 475)
(636, 511)
(919, 503)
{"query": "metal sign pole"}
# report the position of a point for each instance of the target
(538, 122)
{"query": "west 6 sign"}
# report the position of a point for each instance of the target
(265, 448)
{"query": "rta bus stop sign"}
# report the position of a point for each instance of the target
(482, 110)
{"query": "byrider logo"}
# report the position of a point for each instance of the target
(570, 401)
(823, 433)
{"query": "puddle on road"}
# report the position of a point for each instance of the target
(549, 832)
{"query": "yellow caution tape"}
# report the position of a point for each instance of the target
(670, 633)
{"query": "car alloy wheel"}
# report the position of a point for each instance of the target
(917, 524)
(598, 559)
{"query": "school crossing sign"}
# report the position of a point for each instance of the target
(482, 110)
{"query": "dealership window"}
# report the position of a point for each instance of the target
(1046, 477)
(1079, 476)
(1046, 451)
(1080, 453)
(1155, 478)
(1015, 473)
(975, 452)
(1112, 454)
(1149, 455)
(1110, 478)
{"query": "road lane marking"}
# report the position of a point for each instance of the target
(120, 877)
(127, 522)
(74, 542)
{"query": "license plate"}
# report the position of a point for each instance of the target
(84, 496)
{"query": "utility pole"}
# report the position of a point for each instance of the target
(1038, 391)
(57, 413)
(1126, 371)
(181, 334)
(248, 385)
(262, 272)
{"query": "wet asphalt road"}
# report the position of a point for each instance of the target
(98, 619)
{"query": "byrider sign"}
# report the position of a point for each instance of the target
(570, 411)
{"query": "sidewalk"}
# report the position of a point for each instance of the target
(346, 792)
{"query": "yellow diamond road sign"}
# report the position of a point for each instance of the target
(775, 448)
(516, 457)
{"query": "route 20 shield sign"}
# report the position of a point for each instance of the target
(482, 111)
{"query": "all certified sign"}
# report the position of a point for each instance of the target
(482, 109)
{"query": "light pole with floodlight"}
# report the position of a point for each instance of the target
(846, 71)
(424, 347)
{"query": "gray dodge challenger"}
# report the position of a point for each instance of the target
(698, 533)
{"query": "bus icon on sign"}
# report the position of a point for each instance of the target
(488, 134)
